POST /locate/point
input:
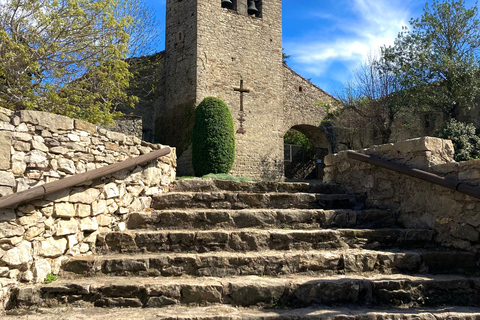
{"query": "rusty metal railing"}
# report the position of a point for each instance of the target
(417, 173)
(52, 187)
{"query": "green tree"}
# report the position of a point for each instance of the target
(437, 59)
(65, 56)
(213, 138)
(374, 97)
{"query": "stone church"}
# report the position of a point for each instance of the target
(230, 49)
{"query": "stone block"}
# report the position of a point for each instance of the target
(64, 210)
(66, 165)
(19, 255)
(83, 210)
(115, 136)
(88, 224)
(66, 227)
(47, 120)
(33, 232)
(30, 220)
(99, 207)
(8, 230)
(40, 270)
(36, 156)
(5, 191)
(87, 196)
(51, 248)
(39, 146)
(111, 191)
(7, 179)
(22, 146)
(104, 220)
(5, 149)
(85, 126)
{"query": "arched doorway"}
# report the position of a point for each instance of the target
(305, 147)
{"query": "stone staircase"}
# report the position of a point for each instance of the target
(214, 249)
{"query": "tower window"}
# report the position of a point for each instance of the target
(255, 8)
(229, 4)
(300, 89)
(180, 37)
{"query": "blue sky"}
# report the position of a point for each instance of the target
(328, 39)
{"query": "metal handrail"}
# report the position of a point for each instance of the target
(52, 187)
(417, 173)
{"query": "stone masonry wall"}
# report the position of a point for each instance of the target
(419, 204)
(129, 125)
(38, 147)
(302, 101)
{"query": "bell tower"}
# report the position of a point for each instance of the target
(231, 49)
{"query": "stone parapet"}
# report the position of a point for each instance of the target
(419, 204)
(39, 147)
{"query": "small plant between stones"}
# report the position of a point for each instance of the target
(50, 278)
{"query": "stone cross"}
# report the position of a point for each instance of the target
(242, 90)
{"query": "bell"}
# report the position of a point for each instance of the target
(226, 4)
(252, 9)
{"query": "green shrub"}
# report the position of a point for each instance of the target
(213, 139)
(464, 139)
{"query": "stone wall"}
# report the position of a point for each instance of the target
(128, 125)
(302, 101)
(38, 147)
(419, 204)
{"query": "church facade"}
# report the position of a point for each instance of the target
(231, 50)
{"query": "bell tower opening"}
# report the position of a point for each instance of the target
(229, 4)
(255, 8)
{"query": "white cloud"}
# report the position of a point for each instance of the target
(349, 36)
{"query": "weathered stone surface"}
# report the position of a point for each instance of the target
(35, 156)
(83, 210)
(88, 224)
(19, 255)
(99, 207)
(7, 215)
(67, 227)
(64, 210)
(66, 165)
(33, 232)
(111, 190)
(8, 230)
(85, 126)
(30, 220)
(7, 179)
(39, 146)
(5, 149)
(40, 269)
(84, 196)
(51, 248)
(48, 120)
(104, 220)
(59, 150)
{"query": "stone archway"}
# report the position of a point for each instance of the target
(307, 165)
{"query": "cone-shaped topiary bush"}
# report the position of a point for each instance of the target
(213, 138)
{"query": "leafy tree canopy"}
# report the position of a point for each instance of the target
(66, 56)
(437, 59)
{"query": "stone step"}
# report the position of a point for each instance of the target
(260, 218)
(228, 312)
(272, 263)
(259, 240)
(244, 200)
(211, 185)
(290, 291)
